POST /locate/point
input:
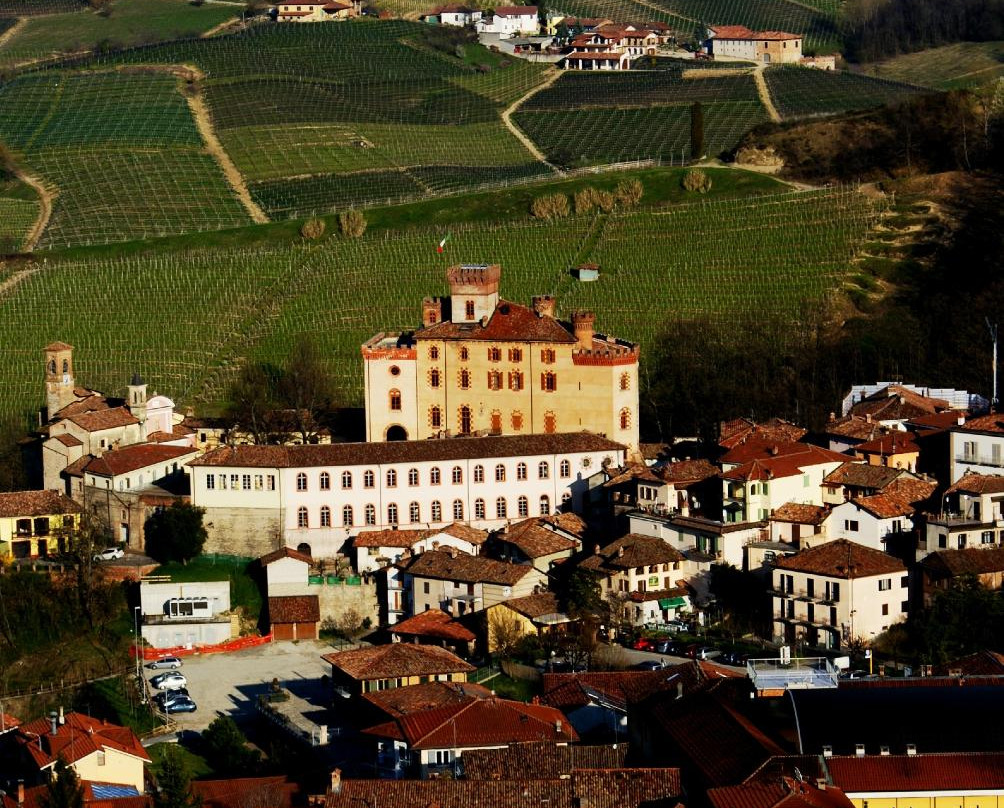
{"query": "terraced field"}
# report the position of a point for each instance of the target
(963, 64)
(799, 92)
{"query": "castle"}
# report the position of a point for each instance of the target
(483, 365)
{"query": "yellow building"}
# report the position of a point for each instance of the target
(520, 617)
(34, 524)
(483, 365)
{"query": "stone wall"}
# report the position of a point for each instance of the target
(243, 532)
(336, 599)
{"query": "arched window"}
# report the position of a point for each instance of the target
(412, 477)
(434, 377)
(52, 367)
(543, 470)
(499, 473)
(545, 505)
(414, 513)
(515, 354)
(391, 478)
(565, 469)
(479, 473)
(392, 514)
(457, 475)
(494, 379)
(395, 400)
(434, 476)
(66, 366)
(458, 510)
(433, 353)
(464, 379)
(501, 508)
(479, 508)
(465, 420)
(347, 517)
(565, 497)
(469, 309)
(625, 381)
(435, 417)
(550, 423)
(494, 354)
(302, 520)
(548, 382)
(515, 380)
(437, 511)
(547, 356)
(517, 420)
(464, 354)
(521, 470)
(369, 479)
(625, 418)
(523, 506)
(325, 481)
(370, 515)
(301, 482)
(325, 516)
(346, 479)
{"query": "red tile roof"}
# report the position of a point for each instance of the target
(241, 792)
(982, 663)
(58, 346)
(741, 32)
(397, 660)
(77, 738)
(534, 606)
(541, 760)
(897, 403)
(739, 430)
(510, 322)
(971, 483)
(69, 440)
(354, 454)
(992, 423)
(536, 539)
(632, 550)
(515, 11)
(785, 793)
(136, 457)
(842, 559)
(7, 721)
(435, 624)
(484, 722)
(854, 426)
(863, 475)
(177, 433)
(969, 561)
(284, 552)
(895, 442)
(390, 538)
(98, 420)
(800, 514)
(294, 609)
(401, 701)
(447, 566)
(912, 773)
(757, 460)
(37, 797)
(36, 503)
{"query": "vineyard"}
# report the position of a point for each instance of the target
(188, 320)
(799, 93)
(963, 64)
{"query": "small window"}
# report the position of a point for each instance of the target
(516, 380)
(369, 479)
(625, 418)
(433, 353)
(395, 400)
(414, 513)
(466, 420)
(435, 475)
(469, 309)
(479, 474)
(464, 379)
(565, 469)
(479, 508)
(325, 481)
(437, 511)
(464, 354)
(457, 475)
(412, 477)
(435, 417)
(523, 507)
(543, 470)
(434, 378)
(302, 520)
(458, 510)
(494, 354)
(499, 473)
(547, 356)
(346, 480)
(520, 471)
(101, 754)
(548, 382)
(211, 482)
(851, 525)
(550, 423)
(885, 584)
(347, 516)
(325, 516)
(515, 354)
(392, 514)
(391, 478)
(246, 482)
(494, 380)
(395, 370)
(271, 482)
(545, 505)
(370, 515)
(301, 482)
(501, 508)
(625, 383)
(517, 421)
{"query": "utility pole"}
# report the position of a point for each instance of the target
(993, 335)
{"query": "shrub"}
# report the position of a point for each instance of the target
(585, 200)
(697, 180)
(312, 229)
(605, 200)
(553, 206)
(629, 193)
(352, 223)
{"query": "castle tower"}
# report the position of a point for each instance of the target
(136, 401)
(584, 324)
(59, 380)
(474, 291)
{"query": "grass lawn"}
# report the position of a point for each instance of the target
(117, 700)
(244, 590)
(196, 764)
(508, 688)
(962, 64)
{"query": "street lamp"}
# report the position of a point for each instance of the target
(135, 622)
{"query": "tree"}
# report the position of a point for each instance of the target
(745, 607)
(226, 749)
(252, 402)
(306, 389)
(174, 783)
(175, 533)
(352, 223)
(64, 789)
(504, 631)
(561, 31)
(585, 597)
(696, 131)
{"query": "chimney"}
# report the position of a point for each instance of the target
(54, 722)
(859, 750)
(821, 783)
(557, 726)
(336, 781)
(582, 323)
(20, 792)
(884, 751)
(453, 552)
(827, 751)
(432, 311)
(62, 718)
(596, 549)
(543, 306)
(620, 551)
(679, 690)
(911, 749)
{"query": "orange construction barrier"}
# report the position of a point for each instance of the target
(238, 644)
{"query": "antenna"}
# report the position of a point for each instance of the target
(992, 328)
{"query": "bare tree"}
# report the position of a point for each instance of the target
(504, 631)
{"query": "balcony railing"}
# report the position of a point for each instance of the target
(980, 460)
(801, 594)
(819, 622)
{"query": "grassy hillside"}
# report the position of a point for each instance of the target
(963, 64)
(800, 93)
(18, 210)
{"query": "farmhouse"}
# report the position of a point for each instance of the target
(509, 21)
(317, 10)
(452, 14)
(765, 47)
(480, 364)
(33, 522)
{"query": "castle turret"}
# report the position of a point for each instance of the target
(544, 305)
(583, 322)
(136, 401)
(59, 380)
(432, 310)
(474, 291)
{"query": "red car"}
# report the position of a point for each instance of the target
(642, 644)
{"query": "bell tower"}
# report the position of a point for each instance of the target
(59, 380)
(137, 398)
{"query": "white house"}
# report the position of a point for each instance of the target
(453, 14)
(317, 10)
(195, 613)
(377, 548)
(870, 520)
(977, 446)
(316, 497)
(722, 541)
(971, 515)
(287, 571)
(510, 21)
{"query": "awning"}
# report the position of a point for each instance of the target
(672, 603)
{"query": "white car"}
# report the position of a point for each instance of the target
(171, 680)
(109, 554)
(164, 662)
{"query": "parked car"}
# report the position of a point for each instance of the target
(169, 681)
(167, 696)
(642, 644)
(701, 651)
(109, 554)
(855, 674)
(649, 665)
(181, 706)
(164, 662)
(733, 658)
(662, 646)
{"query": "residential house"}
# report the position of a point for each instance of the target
(433, 741)
(317, 10)
(93, 795)
(287, 571)
(530, 615)
(460, 584)
(597, 60)
(186, 614)
(765, 47)
(452, 14)
(981, 663)
(837, 592)
(970, 515)
(717, 540)
(882, 521)
(544, 760)
(847, 432)
(775, 430)
(799, 525)
(682, 487)
(434, 627)
(320, 496)
(783, 782)
(852, 480)
(294, 617)
(275, 791)
(383, 667)
(539, 541)
(896, 449)
(376, 548)
(893, 404)
(509, 21)
(976, 446)
(940, 569)
(33, 523)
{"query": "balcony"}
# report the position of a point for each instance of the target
(771, 677)
(803, 595)
(980, 460)
(803, 619)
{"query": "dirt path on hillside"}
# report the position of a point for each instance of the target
(13, 31)
(8, 286)
(764, 93)
(223, 26)
(45, 199)
(550, 77)
(662, 10)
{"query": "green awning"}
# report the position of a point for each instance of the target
(671, 603)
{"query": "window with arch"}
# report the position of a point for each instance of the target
(325, 481)
(413, 477)
(433, 353)
(302, 520)
(550, 422)
(370, 515)
(496, 422)
(523, 506)
(464, 379)
(435, 476)
(545, 505)
(515, 380)
(66, 366)
(457, 475)
(369, 479)
(414, 513)
(435, 417)
(434, 377)
(346, 480)
(469, 309)
(479, 473)
(347, 517)
(325, 516)
(494, 354)
(625, 418)
(543, 470)
(547, 356)
(548, 382)
(494, 379)
(437, 511)
(625, 381)
(565, 469)
(301, 482)
(395, 400)
(499, 473)
(392, 514)
(458, 510)
(479, 508)
(517, 420)
(501, 508)
(391, 478)
(515, 354)
(52, 367)
(465, 420)
(521, 470)
(464, 354)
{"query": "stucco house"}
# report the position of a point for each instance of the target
(376, 548)
(35, 523)
(452, 14)
(971, 514)
(529, 615)
(976, 446)
(539, 541)
(317, 10)
(383, 667)
(765, 47)
(940, 569)
(434, 627)
(509, 21)
(190, 613)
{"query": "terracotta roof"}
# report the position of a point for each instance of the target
(632, 550)
(597, 56)
(482, 722)
(294, 609)
(390, 538)
(534, 606)
(876, 774)
(982, 663)
(897, 403)
(515, 11)
(863, 475)
(911, 489)
(536, 540)
(7, 721)
(800, 514)
(842, 559)
(37, 797)
(569, 522)
(135, 457)
(938, 421)
(78, 737)
(885, 506)
(467, 533)
(636, 471)
(284, 552)
(739, 430)
(854, 426)
(69, 440)
(659, 594)
(98, 420)
(401, 701)
(509, 322)
(895, 442)
(397, 660)
(88, 401)
(36, 503)
(240, 792)
(784, 793)
(969, 561)
(76, 468)
(757, 460)
(433, 623)
(541, 760)
(356, 454)
(446, 566)
(58, 346)
(744, 33)
(971, 483)
(178, 431)
(687, 471)
(992, 423)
